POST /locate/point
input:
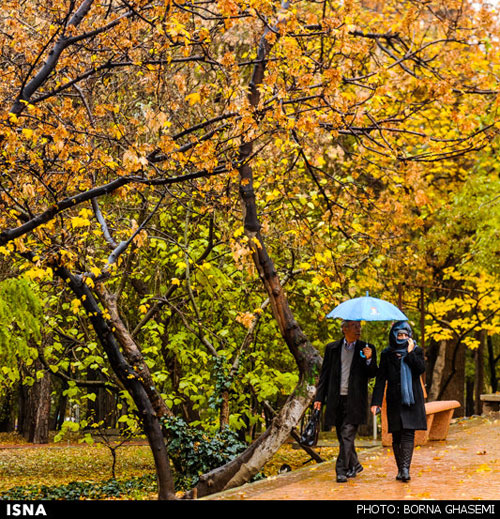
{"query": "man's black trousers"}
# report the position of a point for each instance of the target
(346, 433)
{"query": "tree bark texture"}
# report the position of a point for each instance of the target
(129, 378)
(40, 402)
(34, 408)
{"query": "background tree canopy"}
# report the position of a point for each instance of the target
(187, 188)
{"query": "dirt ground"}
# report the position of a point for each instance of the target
(464, 467)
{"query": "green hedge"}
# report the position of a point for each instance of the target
(84, 489)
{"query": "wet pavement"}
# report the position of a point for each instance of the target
(464, 467)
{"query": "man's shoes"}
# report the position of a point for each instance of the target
(341, 478)
(351, 473)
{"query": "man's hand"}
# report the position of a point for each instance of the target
(317, 406)
(367, 352)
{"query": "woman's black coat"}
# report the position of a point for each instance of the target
(398, 415)
(328, 388)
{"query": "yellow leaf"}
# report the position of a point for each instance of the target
(239, 232)
(77, 221)
(193, 98)
(75, 305)
(95, 270)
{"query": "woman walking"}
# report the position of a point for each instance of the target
(401, 365)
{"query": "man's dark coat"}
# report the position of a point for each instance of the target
(328, 388)
(413, 416)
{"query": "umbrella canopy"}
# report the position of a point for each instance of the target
(367, 309)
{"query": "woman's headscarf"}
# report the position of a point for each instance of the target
(400, 346)
(400, 326)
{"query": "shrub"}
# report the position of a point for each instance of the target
(112, 488)
(193, 452)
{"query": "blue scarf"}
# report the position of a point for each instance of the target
(406, 382)
(400, 347)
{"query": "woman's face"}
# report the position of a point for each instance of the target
(402, 336)
(399, 335)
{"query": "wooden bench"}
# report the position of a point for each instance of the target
(439, 415)
(491, 402)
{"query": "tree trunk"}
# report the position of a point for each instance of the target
(60, 408)
(469, 396)
(224, 410)
(103, 408)
(130, 379)
(7, 423)
(492, 365)
(23, 410)
(175, 371)
(34, 407)
(40, 402)
(437, 372)
(479, 373)
(453, 386)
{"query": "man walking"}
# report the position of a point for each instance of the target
(343, 384)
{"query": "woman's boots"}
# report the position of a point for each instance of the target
(403, 453)
(406, 449)
(396, 447)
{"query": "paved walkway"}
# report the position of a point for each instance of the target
(466, 466)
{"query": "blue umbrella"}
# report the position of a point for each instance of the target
(367, 309)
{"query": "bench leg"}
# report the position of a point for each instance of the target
(441, 425)
(386, 435)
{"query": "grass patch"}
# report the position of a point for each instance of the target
(61, 464)
(81, 471)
